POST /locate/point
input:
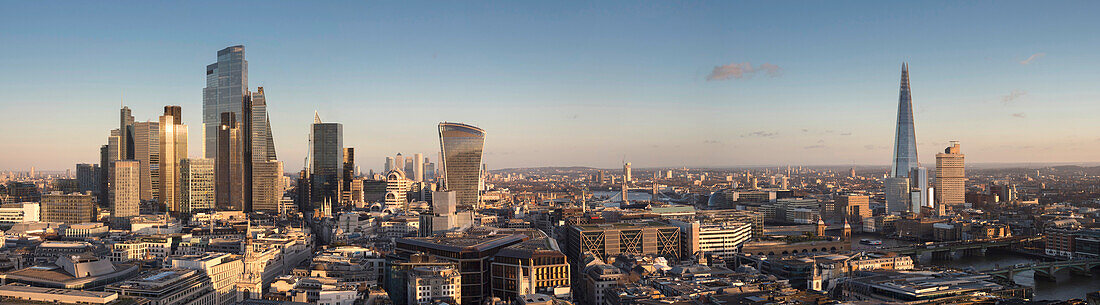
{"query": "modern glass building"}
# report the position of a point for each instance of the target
(226, 86)
(461, 147)
(326, 157)
(905, 141)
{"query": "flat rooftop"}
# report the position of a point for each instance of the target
(621, 225)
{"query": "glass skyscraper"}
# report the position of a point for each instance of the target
(905, 140)
(226, 86)
(461, 147)
(326, 157)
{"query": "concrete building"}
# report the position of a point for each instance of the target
(473, 250)
(430, 284)
(126, 189)
(853, 208)
(445, 216)
(223, 269)
(265, 186)
(85, 230)
(397, 189)
(21, 212)
(534, 266)
(72, 272)
(66, 208)
(23, 292)
(950, 176)
(719, 239)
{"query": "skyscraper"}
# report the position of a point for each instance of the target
(627, 174)
(418, 167)
(173, 149)
(86, 176)
(389, 165)
(127, 189)
(146, 149)
(902, 188)
(461, 148)
(228, 164)
(950, 177)
(196, 183)
(326, 157)
(226, 86)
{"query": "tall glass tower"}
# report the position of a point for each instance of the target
(327, 158)
(461, 146)
(905, 140)
(226, 86)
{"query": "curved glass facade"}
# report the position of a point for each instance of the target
(461, 148)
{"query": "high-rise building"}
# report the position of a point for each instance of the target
(101, 175)
(950, 176)
(389, 165)
(266, 192)
(173, 148)
(229, 164)
(627, 174)
(326, 157)
(853, 208)
(86, 176)
(461, 148)
(146, 147)
(67, 208)
(197, 190)
(226, 86)
(262, 171)
(905, 160)
(418, 167)
(399, 162)
(349, 171)
(126, 190)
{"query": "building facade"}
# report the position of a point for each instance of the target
(461, 146)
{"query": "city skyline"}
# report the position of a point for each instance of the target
(1012, 95)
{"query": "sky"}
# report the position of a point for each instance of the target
(565, 83)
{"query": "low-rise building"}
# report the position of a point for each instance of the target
(168, 287)
(429, 284)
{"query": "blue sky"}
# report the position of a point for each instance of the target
(571, 83)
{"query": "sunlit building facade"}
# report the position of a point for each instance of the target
(461, 147)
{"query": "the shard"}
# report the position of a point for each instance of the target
(905, 141)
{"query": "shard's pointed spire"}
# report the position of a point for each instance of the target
(905, 142)
(316, 117)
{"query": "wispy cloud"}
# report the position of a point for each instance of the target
(743, 70)
(761, 134)
(1019, 115)
(712, 142)
(1032, 58)
(818, 146)
(1013, 96)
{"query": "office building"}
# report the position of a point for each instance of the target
(168, 287)
(68, 208)
(444, 216)
(473, 250)
(262, 172)
(223, 269)
(12, 213)
(326, 157)
(397, 189)
(418, 167)
(72, 271)
(266, 191)
(950, 176)
(229, 164)
(607, 240)
(389, 165)
(853, 208)
(905, 162)
(348, 168)
(226, 86)
(146, 147)
(173, 149)
(430, 284)
(627, 174)
(720, 239)
(534, 266)
(461, 148)
(101, 175)
(21, 293)
(126, 189)
(87, 177)
(197, 185)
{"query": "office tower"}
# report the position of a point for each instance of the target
(349, 169)
(429, 171)
(146, 148)
(389, 164)
(626, 172)
(418, 167)
(196, 185)
(853, 208)
(226, 86)
(86, 176)
(229, 164)
(126, 189)
(303, 190)
(326, 155)
(397, 189)
(461, 147)
(125, 149)
(67, 208)
(950, 177)
(101, 174)
(399, 162)
(262, 171)
(905, 154)
(918, 192)
(265, 187)
(173, 149)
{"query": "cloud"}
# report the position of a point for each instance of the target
(846, 133)
(1032, 58)
(1013, 96)
(818, 146)
(1019, 115)
(761, 134)
(743, 70)
(712, 142)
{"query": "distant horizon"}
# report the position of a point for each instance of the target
(571, 82)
